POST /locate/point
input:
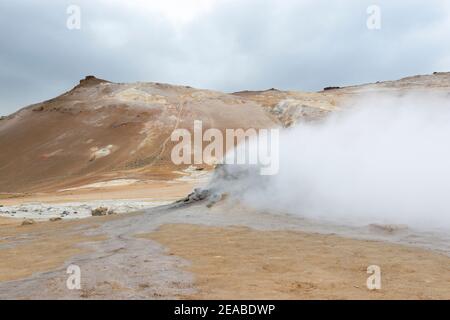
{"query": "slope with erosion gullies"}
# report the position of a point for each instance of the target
(101, 130)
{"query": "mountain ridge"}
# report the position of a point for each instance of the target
(104, 130)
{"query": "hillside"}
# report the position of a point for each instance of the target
(101, 131)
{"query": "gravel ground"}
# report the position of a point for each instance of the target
(74, 210)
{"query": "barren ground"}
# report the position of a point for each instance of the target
(242, 263)
(219, 252)
(110, 141)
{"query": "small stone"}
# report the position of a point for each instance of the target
(55, 219)
(388, 228)
(100, 211)
(213, 199)
(27, 222)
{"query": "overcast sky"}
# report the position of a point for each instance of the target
(226, 45)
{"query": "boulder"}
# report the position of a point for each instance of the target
(27, 222)
(100, 211)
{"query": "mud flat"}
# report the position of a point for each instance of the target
(243, 263)
(75, 210)
(78, 202)
(218, 252)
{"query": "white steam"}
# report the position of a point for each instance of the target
(383, 160)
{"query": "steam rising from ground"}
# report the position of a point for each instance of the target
(382, 160)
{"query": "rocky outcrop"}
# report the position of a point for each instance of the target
(90, 81)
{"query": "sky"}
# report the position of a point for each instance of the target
(226, 45)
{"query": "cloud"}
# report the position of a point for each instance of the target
(225, 45)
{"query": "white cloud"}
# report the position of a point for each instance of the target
(176, 11)
(225, 45)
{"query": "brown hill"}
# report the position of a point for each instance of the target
(101, 130)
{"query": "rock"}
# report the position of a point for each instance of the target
(27, 222)
(90, 81)
(330, 88)
(100, 211)
(195, 196)
(55, 219)
(199, 194)
(388, 228)
(213, 199)
(111, 211)
(38, 108)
